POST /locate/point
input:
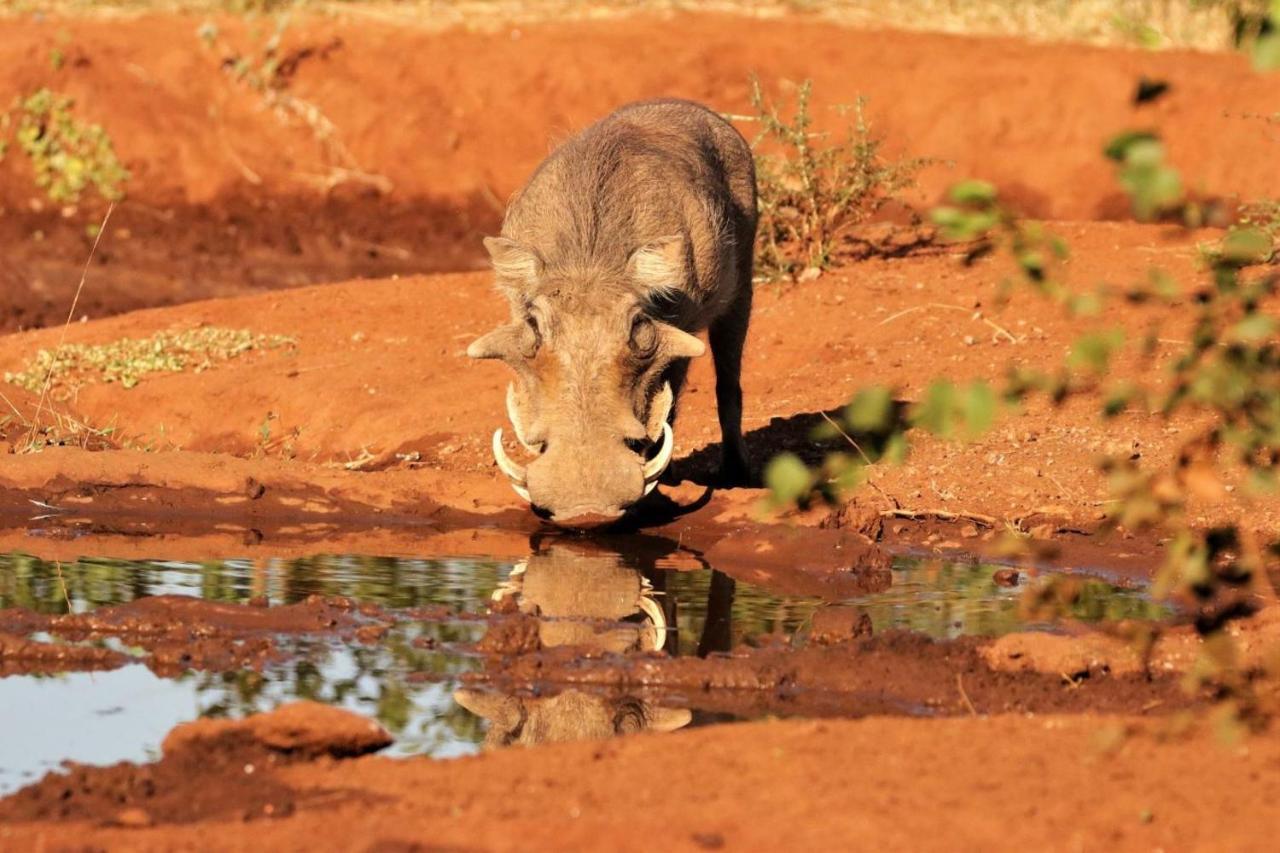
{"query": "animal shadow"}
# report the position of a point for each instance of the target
(793, 434)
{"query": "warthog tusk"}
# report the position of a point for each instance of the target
(513, 471)
(515, 419)
(654, 467)
(662, 403)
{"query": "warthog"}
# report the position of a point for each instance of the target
(630, 238)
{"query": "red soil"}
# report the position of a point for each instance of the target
(1006, 782)
(376, 430)
(224, 196)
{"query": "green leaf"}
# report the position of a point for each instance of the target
(1118, 148)
(1266, 52)
(1262, 481)
(1093, 351)
(1118, 400)
(896, 448)
(1244, 246)
(973, 192)
(1253, 327)
(978, 408)
(871, 410)
(936, 412)
(787, 478)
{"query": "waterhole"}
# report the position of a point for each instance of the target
(408, 676)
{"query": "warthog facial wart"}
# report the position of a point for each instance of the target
(627, 241)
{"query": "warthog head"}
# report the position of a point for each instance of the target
(590, 397)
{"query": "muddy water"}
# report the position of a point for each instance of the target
(407, 679)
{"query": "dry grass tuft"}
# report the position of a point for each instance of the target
(1200, 24)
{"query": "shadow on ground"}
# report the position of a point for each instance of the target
(794, 434)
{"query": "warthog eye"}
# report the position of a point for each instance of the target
(531, 338)
(644, 337)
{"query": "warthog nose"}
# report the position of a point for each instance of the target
(584, 518)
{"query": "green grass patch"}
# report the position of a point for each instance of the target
(129, 360)
(67, 154)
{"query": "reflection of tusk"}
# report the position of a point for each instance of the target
(654, 467)
(653, 610)
(514, 583)
(515, 418)
(511, 469)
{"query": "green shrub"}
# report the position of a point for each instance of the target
(68, 156)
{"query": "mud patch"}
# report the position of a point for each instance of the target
(235, 761)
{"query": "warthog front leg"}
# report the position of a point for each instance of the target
(728, 334)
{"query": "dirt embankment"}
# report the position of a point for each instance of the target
(227, 197)
(1008, 782)
(392, 421)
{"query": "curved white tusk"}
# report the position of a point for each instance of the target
(663, 401)
(511, 469)
(515, 418)
(654, 467)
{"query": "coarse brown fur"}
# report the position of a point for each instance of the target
(631, 237)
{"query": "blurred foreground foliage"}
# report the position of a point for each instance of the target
(1222, 384)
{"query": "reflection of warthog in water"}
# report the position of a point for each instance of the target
(630, 237)
(587, 598)
(572, 715)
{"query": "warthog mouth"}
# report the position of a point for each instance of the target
(653, 468)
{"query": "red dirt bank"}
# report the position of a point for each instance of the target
(226, 199)
(1045, 783)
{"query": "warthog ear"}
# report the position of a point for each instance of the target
(512, 261)
(678, 343)
(502, 711)
(659, 267)
(668, 719)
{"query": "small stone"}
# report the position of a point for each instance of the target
(1006, 577)
(253, 488)
(134, 818)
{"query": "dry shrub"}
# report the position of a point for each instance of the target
(814, 188)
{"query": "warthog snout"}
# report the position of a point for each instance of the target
(597, 446)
